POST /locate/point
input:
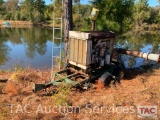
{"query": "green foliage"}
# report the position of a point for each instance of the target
(60, 98)
(26, 10)
(39, 5)
(81, 15)
(7, 16)
(157, 16)
(9, 8)
(48, 12)
(17, 15)
(1, 2)
(2, 11)
(38, 17)
(145, 17)
(113, 13)
(141, 13)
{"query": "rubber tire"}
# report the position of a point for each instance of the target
(106, 78)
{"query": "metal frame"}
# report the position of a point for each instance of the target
(59, 38)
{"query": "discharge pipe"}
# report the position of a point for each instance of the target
(148, 56)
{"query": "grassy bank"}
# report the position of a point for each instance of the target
(13, 23)
(139, 87)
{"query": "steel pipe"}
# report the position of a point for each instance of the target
(148, 56)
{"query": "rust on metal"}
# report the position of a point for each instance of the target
(130, 52)
(101, 34)
(3, 81)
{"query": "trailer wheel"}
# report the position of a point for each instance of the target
(106, 78)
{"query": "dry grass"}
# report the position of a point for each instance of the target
(11, 88)
(12, 22)
(26, 24)
(137, 88)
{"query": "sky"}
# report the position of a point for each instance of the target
(152, 3)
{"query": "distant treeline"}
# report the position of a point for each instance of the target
(116, 15)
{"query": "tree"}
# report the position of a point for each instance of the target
(10, 7)
(113, 13)
(1, 3)
(2, 11)
(39, 5)
(154, 15)
(81, 15)
(141, 12)
(48, 12)
(27, 9)
(32, 10)
(157, 18)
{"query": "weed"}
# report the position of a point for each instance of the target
(18, 67)
(1, 71)
(15, 77)
(61, 95)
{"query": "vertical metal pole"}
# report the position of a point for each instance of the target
(93, 25)
(61, 36)
(52, 40)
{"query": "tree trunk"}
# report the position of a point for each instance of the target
(70, 14)
(67, 18)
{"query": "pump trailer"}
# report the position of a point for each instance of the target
(92, 56)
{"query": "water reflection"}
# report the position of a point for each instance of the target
(144, 42)
(4, 51)
(32, 45)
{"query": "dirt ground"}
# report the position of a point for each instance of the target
(120, 102)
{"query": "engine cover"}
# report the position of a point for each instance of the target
(90, 48)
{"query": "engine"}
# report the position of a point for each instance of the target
(101, 52)
(90, 48)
